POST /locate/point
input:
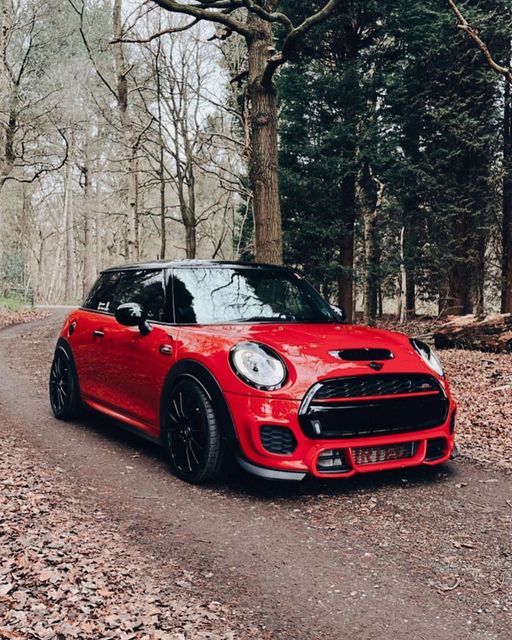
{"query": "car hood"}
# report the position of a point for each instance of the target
(310, 351)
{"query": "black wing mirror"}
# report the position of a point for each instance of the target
(339, 312)
(132, 314)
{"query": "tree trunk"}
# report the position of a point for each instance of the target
(264, 164)
(373, 191)
(129, 134)
(89, 233)
(402, 300)
(506, 229)
(190, 241)
(346, 277)
(410, 248)
(70, 275)
(468, 332)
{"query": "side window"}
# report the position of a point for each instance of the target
(100, 296)
(144, 287)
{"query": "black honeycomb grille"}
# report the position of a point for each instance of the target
(373, 405)
(278, 440)
(376, 385)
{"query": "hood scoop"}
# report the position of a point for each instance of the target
(365, 354)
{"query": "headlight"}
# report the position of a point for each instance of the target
(428, 355)
(258, 366)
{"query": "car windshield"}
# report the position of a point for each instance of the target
(244, 294)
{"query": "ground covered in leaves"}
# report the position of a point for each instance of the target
(482, 385)
(66, 570)
(64, 573)
(9, 317)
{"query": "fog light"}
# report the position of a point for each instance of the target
(332, 460)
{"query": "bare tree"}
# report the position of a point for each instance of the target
(255, 21)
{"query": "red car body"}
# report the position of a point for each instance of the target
(366, 414)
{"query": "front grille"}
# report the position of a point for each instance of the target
(356, 407)
(278, 439)
(378, 385)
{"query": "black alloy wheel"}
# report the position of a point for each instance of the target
(192, 434)
(63, 386)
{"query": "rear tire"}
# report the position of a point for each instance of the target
(191, 433)
(63, 386)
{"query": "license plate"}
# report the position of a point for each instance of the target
(374, 455)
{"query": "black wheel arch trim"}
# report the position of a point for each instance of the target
(63, 344)
(204, 377)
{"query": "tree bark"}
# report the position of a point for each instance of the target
(506, 227)
(346, 277)
(410, 246)
(402, 299)
(373, 191)
(264, 177)
(129, 134)
(69, 231)
(89, 233)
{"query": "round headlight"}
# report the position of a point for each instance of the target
(258, 365)
(428, 355)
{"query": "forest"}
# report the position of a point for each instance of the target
(368, 144)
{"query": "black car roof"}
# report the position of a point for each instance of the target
(191, 264)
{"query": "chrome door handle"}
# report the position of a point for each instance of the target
(98, 333)
(166, 349)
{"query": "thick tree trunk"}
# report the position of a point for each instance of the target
(506, 229)
(129, 135)
(459, 300)
(264, 164)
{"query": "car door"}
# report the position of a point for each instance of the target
(134, 366)
(90, 324)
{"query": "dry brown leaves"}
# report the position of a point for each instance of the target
(482, 385)
(65, 574)
(8, 317)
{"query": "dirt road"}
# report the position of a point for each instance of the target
(422, 554)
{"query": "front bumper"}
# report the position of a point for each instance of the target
(251, 413)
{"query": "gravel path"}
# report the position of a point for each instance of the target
(422, 554)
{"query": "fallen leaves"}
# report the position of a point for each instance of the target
(8, 317)
(64, 573)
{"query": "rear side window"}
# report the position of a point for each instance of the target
(144, 287)
(100, 296)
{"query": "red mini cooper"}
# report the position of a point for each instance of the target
(206, 357)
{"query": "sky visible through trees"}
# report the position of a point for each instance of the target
(367, 143)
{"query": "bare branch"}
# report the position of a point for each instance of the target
(80, 13)
(42, 170)
(463, 25)
(293, 36)
(156, 35)
(202, 11)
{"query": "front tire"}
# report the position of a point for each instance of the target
(191, 433)
(63, 386)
